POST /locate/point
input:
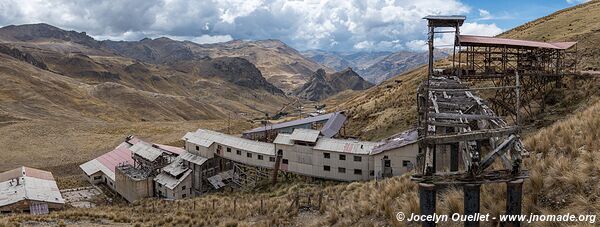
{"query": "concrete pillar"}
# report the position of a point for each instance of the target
(471, 202)
(427, 196)
(514, 199)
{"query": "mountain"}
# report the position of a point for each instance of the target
(342, 60)
(395, 64)
(324, 85)
(374, 67)
(69, 75)
(280, 64)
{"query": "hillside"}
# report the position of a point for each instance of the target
(580, 23)
(324, 85)
(280, 64)
(556, 186)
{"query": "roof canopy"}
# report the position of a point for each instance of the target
(471, 40)
(445, 21)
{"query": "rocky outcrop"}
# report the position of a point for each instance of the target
(324, 85)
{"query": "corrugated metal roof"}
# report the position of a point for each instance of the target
(293, 123)
(283, 138)
(231, 141)
(190, 137)
(122, 154)
(345, 146)
(484, 40)
(33, 184)
(333, 125)
(176, 167)
(217, 180)
(196, 159)
(306, 135)
(146, 151)
(396, 141)
(170, 181)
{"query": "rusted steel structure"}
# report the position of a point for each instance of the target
(540, 65)
(464, 142)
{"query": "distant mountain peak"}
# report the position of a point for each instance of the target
(324, 85)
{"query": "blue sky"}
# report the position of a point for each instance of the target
(338, 25)
(507, 14)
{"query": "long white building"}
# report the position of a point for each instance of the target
(307, 152)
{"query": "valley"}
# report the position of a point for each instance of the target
(67, 98)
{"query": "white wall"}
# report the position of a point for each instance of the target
(397, 157)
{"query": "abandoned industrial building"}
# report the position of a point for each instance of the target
(30, 190)
(212, 160)
(130, 168)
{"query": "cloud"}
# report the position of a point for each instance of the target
(446, 40)
(307, 24)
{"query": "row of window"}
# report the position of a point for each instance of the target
(249, 155)
(342, 157)
(343, 170)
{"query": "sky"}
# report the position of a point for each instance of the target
(335, 25)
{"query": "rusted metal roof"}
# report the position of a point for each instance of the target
(466, 40)
(396, 141)
(122, 154)
(146, 151)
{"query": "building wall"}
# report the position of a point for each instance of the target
(96, 178)
(133, 189)
(182, 191)
(23, 206)
(397, 159)
(308, 161)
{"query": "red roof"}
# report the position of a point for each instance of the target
(484, 40)
(119, 155)
(171, 149)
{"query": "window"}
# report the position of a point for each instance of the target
(405, 163)
(357, 158)
(238, 152)
(387, 163)
(183, 196)
(97, 177)
(183, 187)
(260, 157)
(342, 157)
(229, 149)
(271, 159)
(326, 168)
(197, 148)
(372, 173)
(341, 169)
(358, 171)
(326, 155)
(248, 154)
(285, 161)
